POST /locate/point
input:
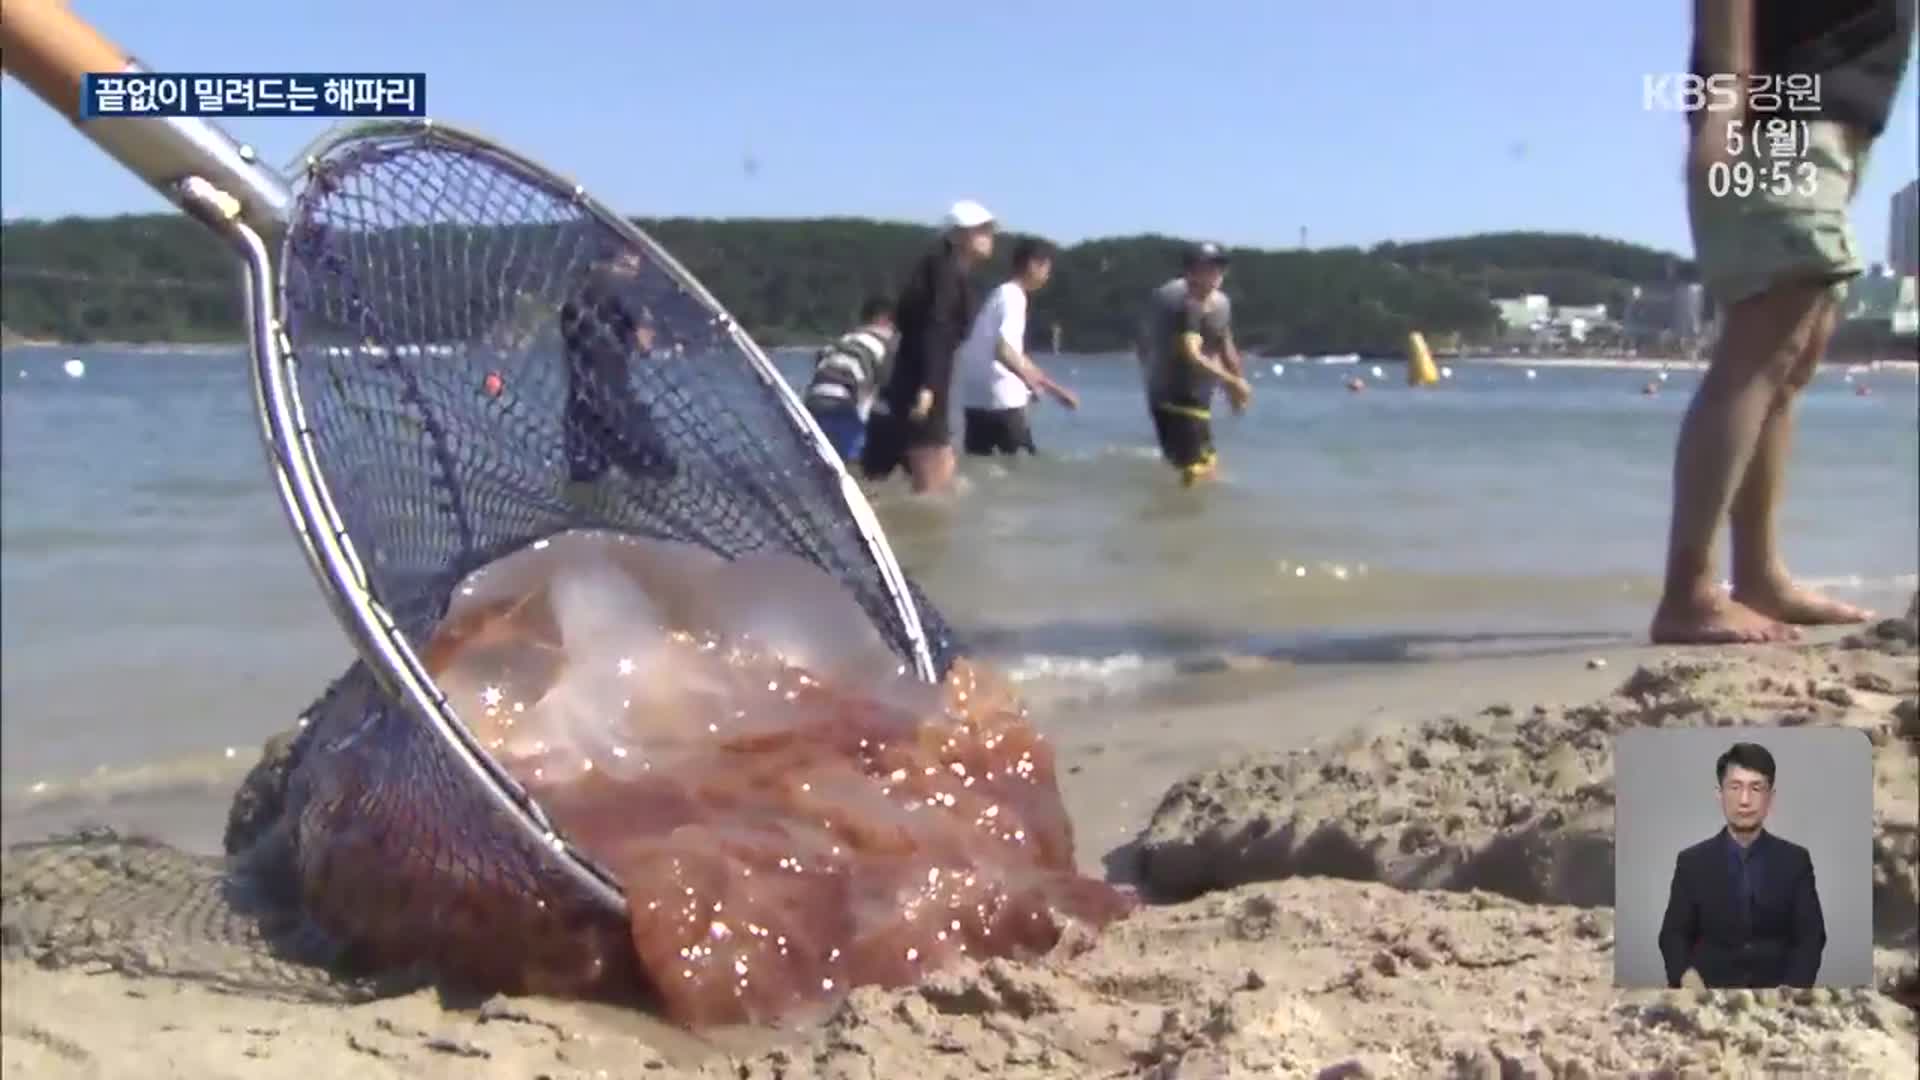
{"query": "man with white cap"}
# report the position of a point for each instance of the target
(909, 425)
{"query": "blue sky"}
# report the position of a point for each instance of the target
(1242, 120)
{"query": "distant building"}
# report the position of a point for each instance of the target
(1872, 295)
(1904, 319)
(1882, 295)
(1689, 310)
(1522, 312)
(1591, 313)
(1903, 231)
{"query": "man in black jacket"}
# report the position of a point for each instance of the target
(604, 425)
(1743, 910)
(909, 425)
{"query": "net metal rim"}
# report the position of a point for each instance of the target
(333, 555)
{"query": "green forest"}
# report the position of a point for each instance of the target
(161, 278)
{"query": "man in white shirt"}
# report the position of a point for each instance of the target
(997, 377)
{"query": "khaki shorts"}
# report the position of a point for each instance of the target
(1790, 227)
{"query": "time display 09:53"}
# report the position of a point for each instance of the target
(1776, 178)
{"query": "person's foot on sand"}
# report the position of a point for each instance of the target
(1716, 619)
(1785, 602)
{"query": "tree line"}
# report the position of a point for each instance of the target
(161, 278)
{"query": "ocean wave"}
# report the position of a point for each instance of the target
(1861, 583)
(215, 773)
(1125, 451)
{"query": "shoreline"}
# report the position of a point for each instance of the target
(1911, 367)
(1603, 362)
(193, 348)
(1228, 695)
(1290, 977)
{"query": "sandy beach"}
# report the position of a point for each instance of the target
(1262, 967)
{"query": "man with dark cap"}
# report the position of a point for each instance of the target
(1186, 349)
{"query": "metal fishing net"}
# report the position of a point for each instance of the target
(480, 357)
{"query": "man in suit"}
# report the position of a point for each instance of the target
(1743, 910)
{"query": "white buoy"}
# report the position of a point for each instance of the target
(1377, 373)
(1279, 369)
(1532, 374)
(74, 368)
(1663, 376)
(1446, 373)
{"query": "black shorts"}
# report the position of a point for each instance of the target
(1186, 435)
(889, 437)
(998, 431)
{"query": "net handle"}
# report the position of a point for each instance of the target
(51, 50)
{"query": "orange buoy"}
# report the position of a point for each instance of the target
(494, 384)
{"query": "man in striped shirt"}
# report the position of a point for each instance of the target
(846, 375)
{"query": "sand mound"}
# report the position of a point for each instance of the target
(1297, 978)
(1330, 978)
(1521, 803)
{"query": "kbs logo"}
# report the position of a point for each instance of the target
(1687, 92)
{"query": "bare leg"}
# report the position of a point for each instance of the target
(931, 468)
(1760, 578)
(1765, 339)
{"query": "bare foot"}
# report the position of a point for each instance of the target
(1789, 603)
(1716, 620)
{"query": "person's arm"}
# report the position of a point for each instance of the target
(1009, 348)
(1229, 350)
(1723, 36)
(1190, 350)
(946, 326)
(1680, 925)
(1230, 355)
(1807, 934)
(1032, 374)
(908, 365)
(1724, 30)
(1230, 359)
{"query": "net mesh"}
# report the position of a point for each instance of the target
(483, 361)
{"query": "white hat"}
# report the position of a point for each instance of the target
(967, 214)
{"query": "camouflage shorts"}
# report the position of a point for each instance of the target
(1770, 219)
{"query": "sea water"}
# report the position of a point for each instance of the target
(159, 620)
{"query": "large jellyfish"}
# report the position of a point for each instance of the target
(790, 813)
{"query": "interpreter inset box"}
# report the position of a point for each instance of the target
(1743, 856)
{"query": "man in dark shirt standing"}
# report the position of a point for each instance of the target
(909, 425)
(1743, 910)
(1769, 183)
(1186, 350)
(603, 424)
